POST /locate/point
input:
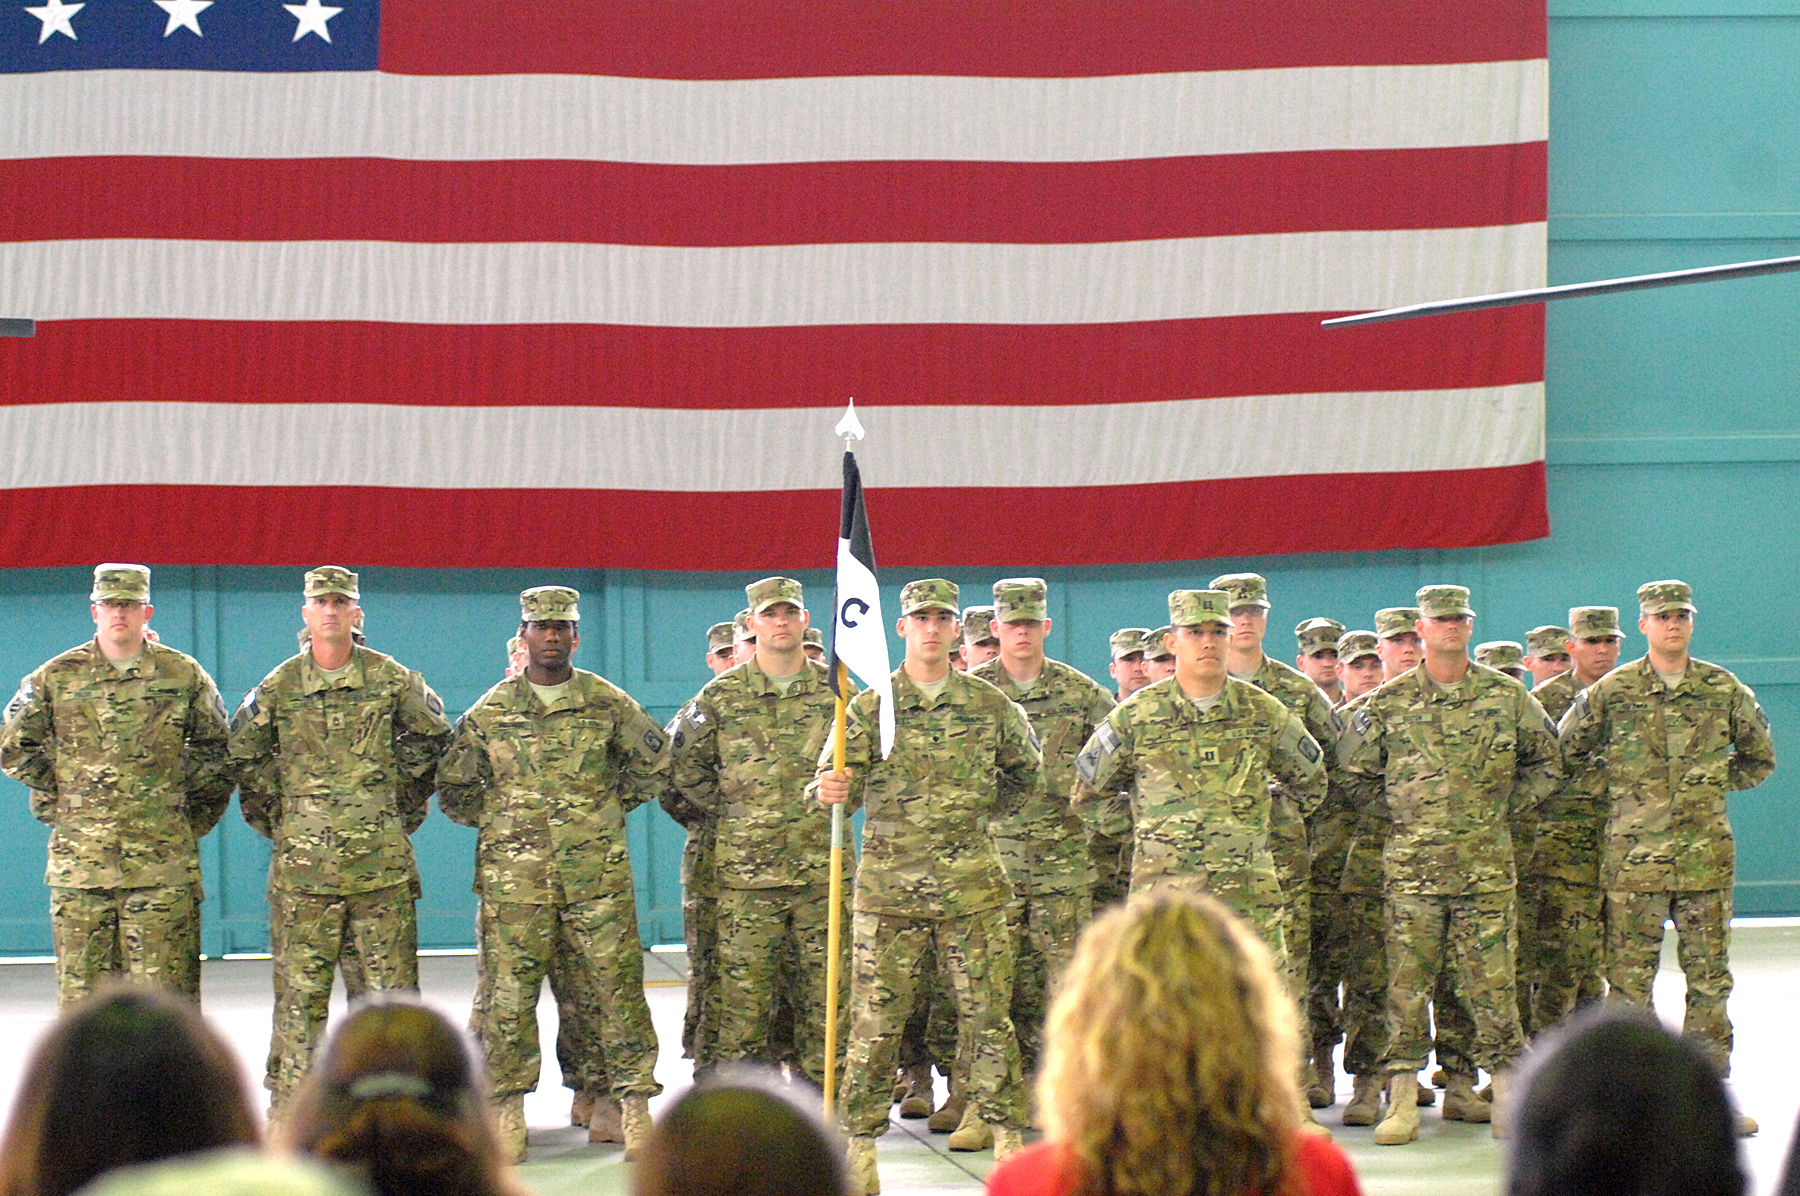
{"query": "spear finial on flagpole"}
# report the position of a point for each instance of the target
(850, 428)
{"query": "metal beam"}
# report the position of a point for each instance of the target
(18, 328)
(1573, 290)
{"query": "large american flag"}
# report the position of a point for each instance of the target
(588, 282)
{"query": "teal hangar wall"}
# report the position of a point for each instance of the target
(1673, 438)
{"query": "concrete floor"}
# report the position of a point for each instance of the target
(1450, 1159)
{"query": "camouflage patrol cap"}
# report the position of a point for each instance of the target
(1354, 645)
(813, 636)
(1317, 635)
(740, 627)
(514, 646)
(1127, 640)
(1501, 654)
(1391, 621)
(550, 604)
(1021, 598)
(930, 593)
(978, 624)
(719, 637)
(1246, 589)
(1190, 608)
(770, 590)
(1594, 622)
(1443, 602)
(1655, 597)
(331, 579)
(121, 583)
(1154, 647)
(1547, 640)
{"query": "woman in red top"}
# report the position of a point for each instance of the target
(1171, 1067)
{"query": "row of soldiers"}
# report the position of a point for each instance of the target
(1016, 795)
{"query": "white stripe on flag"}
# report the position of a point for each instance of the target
(227, 114)
(761, 286)
(622, 448)
(859, 635)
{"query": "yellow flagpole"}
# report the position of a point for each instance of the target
(834, 929)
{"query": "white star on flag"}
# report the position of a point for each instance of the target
(312, 17)
(56, 17)
(184, 14)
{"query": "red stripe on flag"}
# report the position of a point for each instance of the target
(1002, 38)
(222, 361)
(809, 203)
(633, 529)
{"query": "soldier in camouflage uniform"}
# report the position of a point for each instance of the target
(814, 644)
(1128, 669)
(979, 642)
(1505, 656)
(1359, 664)
(1044, 847)
(1674, 735)
(1317, 640)
(1159, 658)
(1546, 653)
(1112, 855)
(547, 765)
(122, 742)
(335, 751)
(963, 755)
(1457, 748)
(743, 752)
(1566, 970)
(721, 648)
(1198, 754)
(743, 638)
(1291, 830)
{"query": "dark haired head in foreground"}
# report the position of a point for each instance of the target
(739, 1135)
(394, 1096)
(129, 1075)
(1613, 1102)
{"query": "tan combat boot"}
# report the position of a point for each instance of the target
(581, 1109)
(899, 1087)
(950, 1113)
(1746, 1126)
(1428, 1094)
(973, 1133)
(917, 1101)
(1501, 1110)
(1461, 1103)
(1401, 1125)
(1365, 1101)
(1007, 1141)
(1321, 1087)
(509, 1124)
(859, 1160)
(634, 1118)
(608, 1122)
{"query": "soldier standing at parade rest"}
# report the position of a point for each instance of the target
(1674, 736)
(1546, 653)
(930, 874)
(1045, 845)
(721, 650)
(335, 750)
(1128, 669)
(1159, 658)
(1457, 748)
(122, 742)
(979, 643)
(1318, 656)
(1291, 830)
(547, 765)
(1567, 969)
(743, 752)
(1112, 854)
(1197, 754)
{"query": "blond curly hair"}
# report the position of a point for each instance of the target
(1172, 1054)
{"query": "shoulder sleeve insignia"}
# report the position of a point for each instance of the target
(1309, 748)
(1109, 738)
(654, 741)
(433, 703)
(1337, 723)
(23, 699)
(1362, 722)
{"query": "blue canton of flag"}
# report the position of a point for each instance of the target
(235, 35)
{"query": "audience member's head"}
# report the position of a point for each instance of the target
(395, 1098)
(1171, 1056)
(739, 1135)
(1613, 1102)
(129, 1075)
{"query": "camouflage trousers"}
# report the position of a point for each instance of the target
(518, 943)
(1567, 971)
(1634, 936)
(308, 933)
(580, 1050)
(1365, 984)
(1453, 1025)
(975, 956)
(932, 1035)
(700, 1024)
(1292, 850)
(772, 942)
(1112, 868)
(1526, 899)
(1328, 966)
(1044, 930)
(147, 936)
(1471, 935)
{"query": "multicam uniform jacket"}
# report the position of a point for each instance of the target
(128, 767)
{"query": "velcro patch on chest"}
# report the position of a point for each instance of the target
(1206, 755)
